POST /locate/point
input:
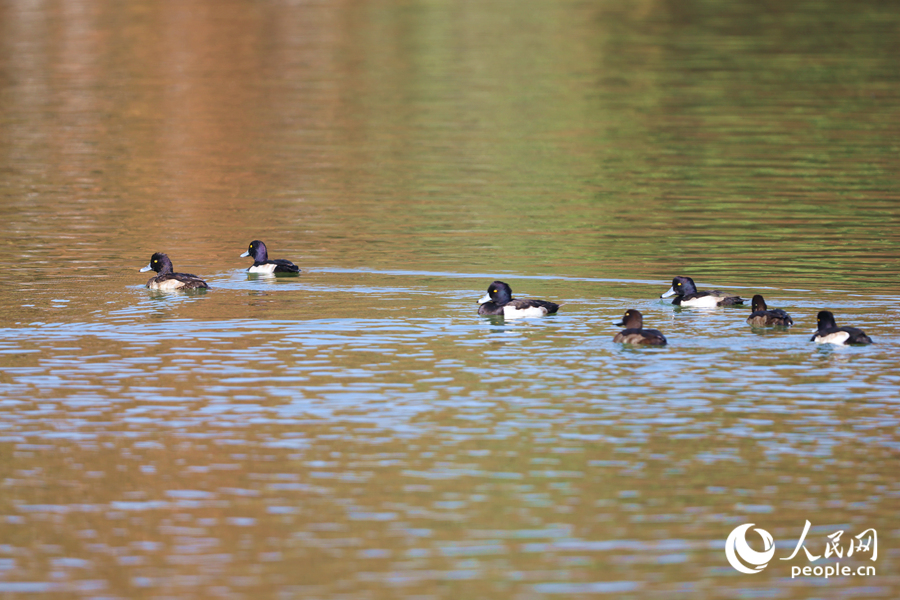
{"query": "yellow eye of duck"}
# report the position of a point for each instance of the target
(493, 291)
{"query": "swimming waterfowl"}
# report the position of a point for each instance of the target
(686, 294)
(169, 280)
(763, 316)
(499, 301)
(634, 333)
(829, 333)
(262, 264)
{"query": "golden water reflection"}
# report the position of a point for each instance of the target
(358, 430)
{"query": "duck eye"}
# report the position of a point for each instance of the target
(494, 291)
(679, 284)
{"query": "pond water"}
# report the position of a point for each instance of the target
(359, 431)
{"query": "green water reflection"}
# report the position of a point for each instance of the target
(357, 431)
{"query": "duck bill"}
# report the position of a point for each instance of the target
(485, 298)
(671, 292)
(147, 268)
(622, 324)
(244, 255)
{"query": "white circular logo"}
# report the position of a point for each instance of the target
(736, 545)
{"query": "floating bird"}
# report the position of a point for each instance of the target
(169, 280)
(499, 301)
(634, 333)
(262, 264)
(829, 333)
(686, 294)
(763, 316)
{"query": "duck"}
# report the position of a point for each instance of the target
(167, 278)
(634, 332)
(763, 316)
(499, 301)
(829, 333)
(262, 264)
(686, 294)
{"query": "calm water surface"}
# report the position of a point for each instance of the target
(358, 431)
